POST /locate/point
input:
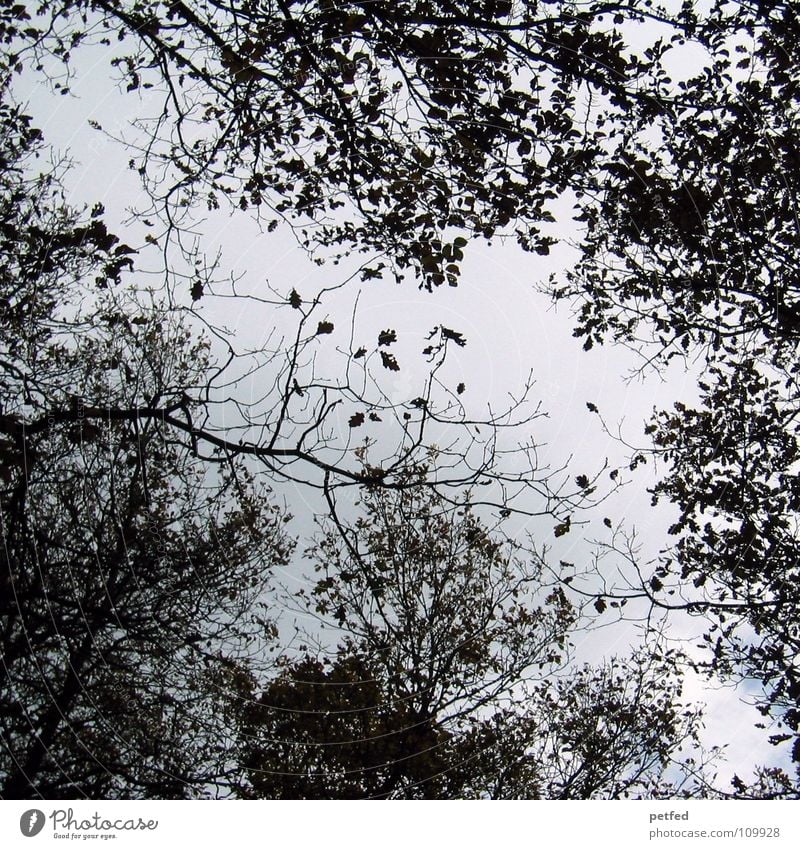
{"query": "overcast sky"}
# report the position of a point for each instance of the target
(510, 328)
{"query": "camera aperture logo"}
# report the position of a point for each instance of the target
(31, 822)
(67, 826)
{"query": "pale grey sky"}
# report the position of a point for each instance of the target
(510, 328)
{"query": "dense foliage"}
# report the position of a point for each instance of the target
(140, 532)
(451, 678)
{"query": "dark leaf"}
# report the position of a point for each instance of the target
(389, 361)
(457, 337)
(563, 527)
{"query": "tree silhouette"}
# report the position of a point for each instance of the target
(691, 252)
(446, 680)
(138, 535)
(132, 570)
(402, 128)
(732, 474)
(403, 131)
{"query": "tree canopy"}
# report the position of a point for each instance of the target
(451, 679)
(141, 518)
(405, 129)
(133, 572)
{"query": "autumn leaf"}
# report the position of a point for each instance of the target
(359, 353)
(457, 337)
(563, 527)
(600, 605)
(295, 300)
(386, 337)
(356, 420)
(389, 361)
(324, 327)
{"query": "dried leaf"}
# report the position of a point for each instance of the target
(562, 528)
(389, 361)
(457, 337)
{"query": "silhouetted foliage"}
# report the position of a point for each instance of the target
(449, 680)
(131, 570)
(691, 251)
(733, 475)
(391, 126)
(404, 131)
